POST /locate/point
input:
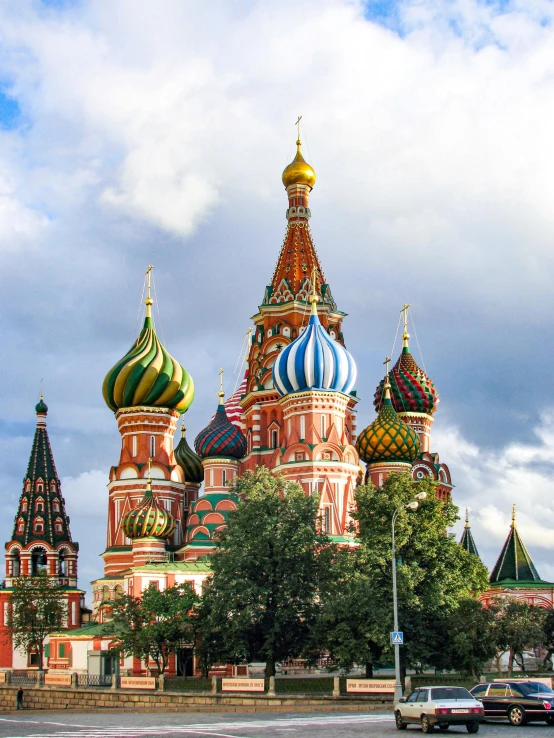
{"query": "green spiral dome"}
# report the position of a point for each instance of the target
(148, 519)
(388, 438)
(190, 463)
(148, 376)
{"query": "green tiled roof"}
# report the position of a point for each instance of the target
(467, 539)
(514, 563)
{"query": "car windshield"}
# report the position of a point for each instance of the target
(535, 688)
(450, 693)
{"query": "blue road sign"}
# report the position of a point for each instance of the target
(397, 638)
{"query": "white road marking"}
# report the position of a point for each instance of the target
(208, 729)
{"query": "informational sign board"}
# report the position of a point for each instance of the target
(137, 682)
(2, 677)
(242, 685)
(397, 638)
(370, 686)
(57, 680)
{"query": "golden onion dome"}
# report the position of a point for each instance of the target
(299, 171)
(148, 519)
(388, 438)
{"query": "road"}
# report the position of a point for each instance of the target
(315, 724)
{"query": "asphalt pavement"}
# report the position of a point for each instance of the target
(314, 724)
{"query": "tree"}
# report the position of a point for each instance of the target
(271, 561)
(153, 626)
(434, 574)
(38, 607)
(548, 640)
(470, 632)
(521, 627)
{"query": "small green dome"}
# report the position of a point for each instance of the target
(41, 407)
(148, 376)
(148, 519)
(388, 438)
(190, 463)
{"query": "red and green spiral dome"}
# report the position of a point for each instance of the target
(412, 391)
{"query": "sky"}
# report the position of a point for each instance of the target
(134, 132)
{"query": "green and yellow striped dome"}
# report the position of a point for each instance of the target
(148, 376)
(388, 438)
(148, 519)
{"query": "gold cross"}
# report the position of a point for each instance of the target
(148, 271)
(405, 311)
(386, 363)
(220, 381)
(298, 125)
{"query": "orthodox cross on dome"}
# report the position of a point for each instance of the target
(148, 301)
(297, 124)
(513, 516)
(386, 363)
(405, 335)
(467, 518)
(386, 385)
(221, 393)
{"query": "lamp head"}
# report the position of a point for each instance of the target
(412, 505)
(421, 495)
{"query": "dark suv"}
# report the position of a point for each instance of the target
(519, 702)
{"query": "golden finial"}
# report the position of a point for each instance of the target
(405, 335)
(513, 516)
(149, 478)
(148, 302)
(299, 171)
(221, 393)
(40, 389)
(467, 518)
(386, 386)
(183, 429)
(313, 298)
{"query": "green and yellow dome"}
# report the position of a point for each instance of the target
(148, 375)
(148, 519)
(388, 438)
(299, 171)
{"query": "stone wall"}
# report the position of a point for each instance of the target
(56, 698)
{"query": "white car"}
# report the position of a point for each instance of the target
(442, 706)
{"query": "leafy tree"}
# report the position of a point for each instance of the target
(38, 607)
(434, 574)
(152, 627)
(271, 561)
(548, 641)
(469, 637)
(521, 627)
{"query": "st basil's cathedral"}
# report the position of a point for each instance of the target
(294, 412)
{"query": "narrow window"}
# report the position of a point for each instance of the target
(302, 427)
(274, 439)
(223, 477)
(327, 520)
(323, 426)
(134, 445)
(152, 446)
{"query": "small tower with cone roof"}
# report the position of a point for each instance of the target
(466, 541)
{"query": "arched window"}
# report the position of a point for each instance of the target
(134, 445)
(16, 565)
(39, 525)
(24, 504)
(58, 525)
(62, 564)
(39, 505)
(274, 439)
(105, 593)
(223, 477)
(56, 506)
(38, 561)
(323, 424)
(20, 526)
(249, 440)
(302, 427)
(152, 446)
(327, 520)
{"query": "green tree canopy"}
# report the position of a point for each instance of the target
(520, 628)
(268, 570)
(152, 627)
(37, 608)
(435, 575)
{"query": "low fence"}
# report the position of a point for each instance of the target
(94, 680)
(24, 677)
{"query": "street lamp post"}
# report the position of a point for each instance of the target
(413, 505)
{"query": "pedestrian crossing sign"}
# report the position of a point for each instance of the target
(397, 638)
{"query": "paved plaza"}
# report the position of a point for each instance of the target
(230, 725)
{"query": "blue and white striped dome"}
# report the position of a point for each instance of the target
(314, 361)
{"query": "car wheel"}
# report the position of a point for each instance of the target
(444, 726)
(550, 720)
(516, 715)
(426, 726)
(472, 727)
(400, 724)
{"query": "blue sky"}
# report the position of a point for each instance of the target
(130, 136)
